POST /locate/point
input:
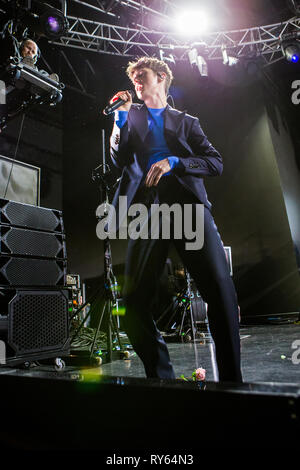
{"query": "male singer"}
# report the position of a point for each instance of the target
(164, 156)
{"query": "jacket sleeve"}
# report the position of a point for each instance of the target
(120, 151)
(205, 160)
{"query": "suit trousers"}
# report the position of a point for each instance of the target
(208, 267)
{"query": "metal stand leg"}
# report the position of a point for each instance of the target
(97, 331)
(189, 292)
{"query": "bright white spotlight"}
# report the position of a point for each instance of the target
(191, 22)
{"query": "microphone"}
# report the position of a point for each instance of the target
(115, 105)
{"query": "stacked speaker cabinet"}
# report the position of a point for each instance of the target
(33, 294)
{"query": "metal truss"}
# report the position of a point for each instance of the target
(262, 41)
(160, 8)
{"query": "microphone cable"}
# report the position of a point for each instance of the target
(14, 158)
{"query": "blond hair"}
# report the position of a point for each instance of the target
(158, 66)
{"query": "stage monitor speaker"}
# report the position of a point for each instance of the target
(19, 181)
(32, 272)
(34, 324)
(33, 248)
(19, 241)
(31, 217)
(199, 308)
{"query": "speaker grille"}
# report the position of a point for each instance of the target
(25, 215)
(38, 321)
(19, 241)
(32, 272)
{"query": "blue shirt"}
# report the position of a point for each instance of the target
(155, 140)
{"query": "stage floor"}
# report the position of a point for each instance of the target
(269, 355)
(266, 356)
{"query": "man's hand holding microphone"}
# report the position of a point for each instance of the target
(121, 101)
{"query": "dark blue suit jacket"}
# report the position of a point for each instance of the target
(185, 139)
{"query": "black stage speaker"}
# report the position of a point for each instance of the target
(33, 324)
(33, 270)
(33, 248)
(28, 272)
(18, 241)
(26, 216)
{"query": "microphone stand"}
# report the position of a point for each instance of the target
(110, 282)
(110, 286)
(189, 307)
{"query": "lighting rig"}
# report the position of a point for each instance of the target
(131, 28)
(134, 39)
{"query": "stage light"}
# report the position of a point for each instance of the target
(45, 20)
(191, 22)
(291, 51)
(198, 60)
(53, 23)
(229, 60)
(166, 58)
(292, 54)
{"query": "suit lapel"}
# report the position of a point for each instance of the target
(173, 120)
(174, 133)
